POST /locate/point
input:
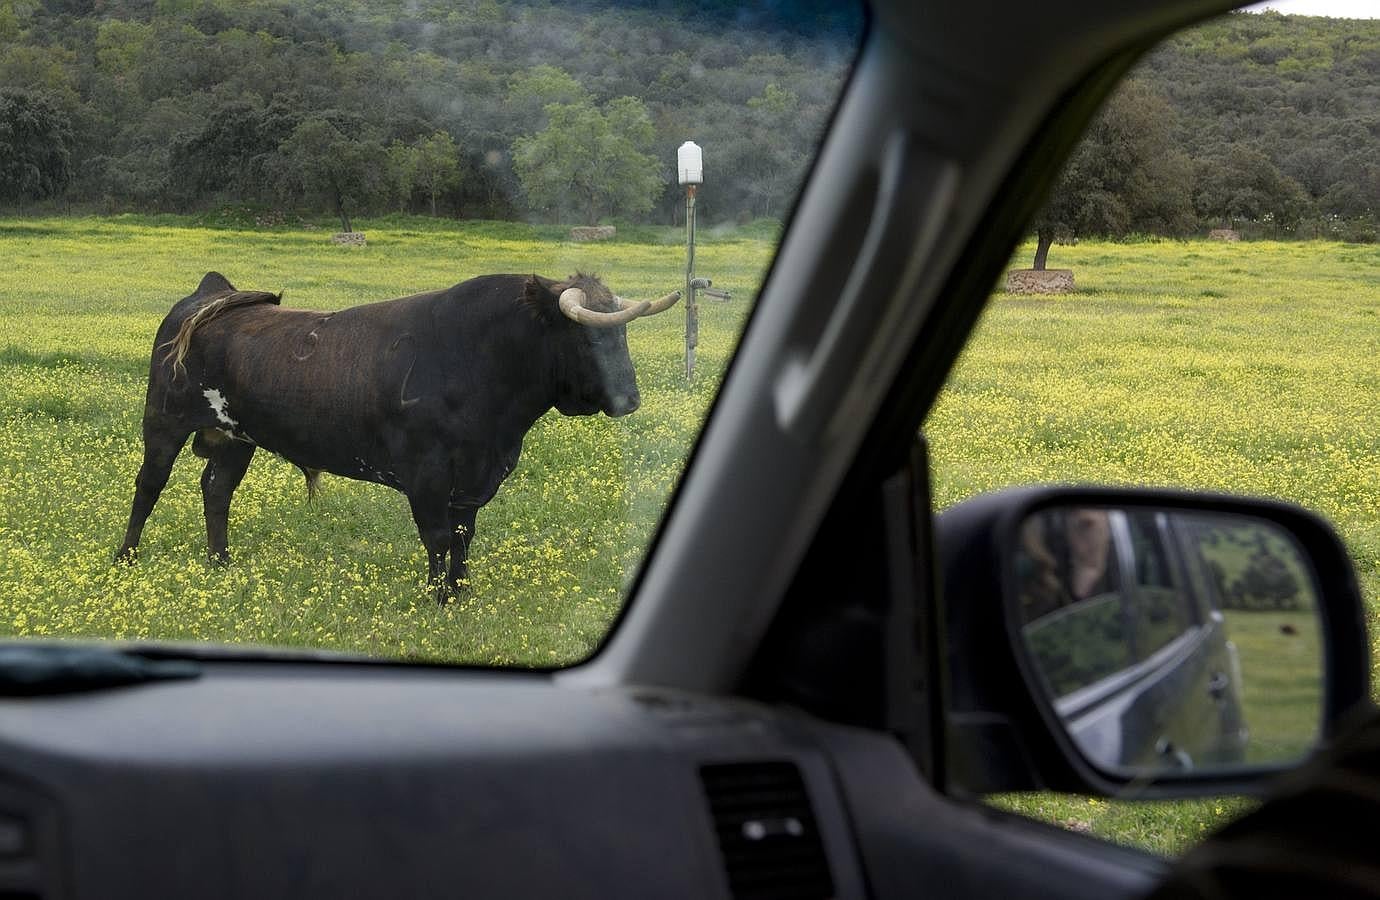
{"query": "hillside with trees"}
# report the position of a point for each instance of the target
(1265, 124)
(572, 113)
(1280, 118)
(346, 107)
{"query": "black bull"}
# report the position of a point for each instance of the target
(430, 394)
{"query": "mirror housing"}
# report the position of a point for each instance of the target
(1003, 730)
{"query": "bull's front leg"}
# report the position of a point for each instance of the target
(461, 533)
(429, 501)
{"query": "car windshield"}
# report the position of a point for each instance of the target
(213, 429)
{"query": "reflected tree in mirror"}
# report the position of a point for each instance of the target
(1170, 640)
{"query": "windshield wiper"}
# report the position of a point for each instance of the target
(30, 671)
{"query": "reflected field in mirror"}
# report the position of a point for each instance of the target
(1170, 640)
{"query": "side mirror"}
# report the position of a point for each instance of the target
(1164, 642)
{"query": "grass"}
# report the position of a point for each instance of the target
(553, 551)
(1281, 675)
(1266, 387)
(1245, 367)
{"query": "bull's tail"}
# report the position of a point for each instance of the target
(216, 306)
(313, 477)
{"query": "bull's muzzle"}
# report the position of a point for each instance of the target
(622, 404)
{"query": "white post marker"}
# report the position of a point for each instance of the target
(690, 172)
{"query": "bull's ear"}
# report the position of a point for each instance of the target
(214, 283)
(539, 298)
(533, 291)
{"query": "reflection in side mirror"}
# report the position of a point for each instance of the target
(1171, 640)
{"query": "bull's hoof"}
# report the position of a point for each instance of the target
(452, 589)
(126, 556)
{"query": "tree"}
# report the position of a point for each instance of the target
(322, 161)
(595, 161)
(35, 137)
(532, 90)
(1243, 185)
(223, 154)
(437, 165)
(779, 157)
(1357, 193)
(402, 172)
(12, 15)
(1127, 174)
(49, 71)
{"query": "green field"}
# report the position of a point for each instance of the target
(1282, 677)
(78, 311)
(1246, 367)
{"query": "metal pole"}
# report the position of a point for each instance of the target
(692, 309)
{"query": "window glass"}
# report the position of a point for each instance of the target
(1075, 610)
(1162, 610)
(1196, 306)
(275, 165)
(1263, 591)
(1148, 552)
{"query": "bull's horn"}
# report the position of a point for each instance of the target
(572, 303)
(665, 303)
(653, 306)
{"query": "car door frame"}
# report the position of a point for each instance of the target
(871, 463)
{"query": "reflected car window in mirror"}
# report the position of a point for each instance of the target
(1207, 656)
(1071, 596)
(1264, 592)
(1163, 608)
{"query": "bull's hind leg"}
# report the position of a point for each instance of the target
(161, 446)
(227, 460)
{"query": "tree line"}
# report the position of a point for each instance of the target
(572, 113)
(477, 109)
(1261, 123)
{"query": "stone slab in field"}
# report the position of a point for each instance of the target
(592, 232)
(354, 238)
(1039, 281)
(1224, 234)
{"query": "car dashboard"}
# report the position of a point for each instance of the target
(263, 780)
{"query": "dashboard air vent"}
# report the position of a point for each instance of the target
(767, 832)
(28, 840)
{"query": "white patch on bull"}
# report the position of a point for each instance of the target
(219, 406)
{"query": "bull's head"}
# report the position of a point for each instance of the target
(600, 376)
